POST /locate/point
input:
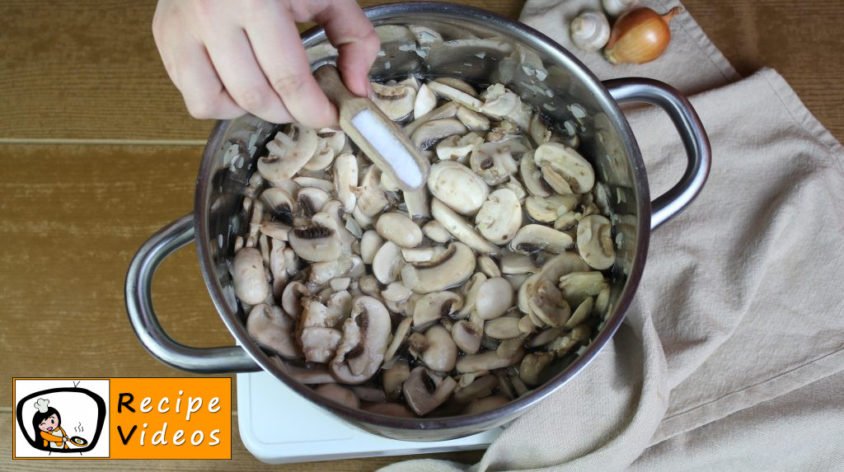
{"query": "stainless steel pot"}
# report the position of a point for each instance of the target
(543, 74)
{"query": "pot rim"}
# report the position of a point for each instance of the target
(520, 33)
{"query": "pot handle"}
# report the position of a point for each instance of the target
(695, 140)
(145, 322)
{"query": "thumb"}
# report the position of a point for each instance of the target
(353, 35)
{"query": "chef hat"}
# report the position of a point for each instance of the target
(42, 404)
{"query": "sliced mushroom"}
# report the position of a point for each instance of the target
(488, 266)
(594, 241)
(310, 200)
(370, 242)
(534, 237)
(567, 162)
(425, 391)
(322, 272)
(454, 148)
(279, 204)
(423, 255)
(486, 361)
(425, 101)
(460, 229)
(448, 110)
(417, 204)
(341, 395)
(435, 231)
(564, 344)
(319, 344)
(467, 336)
(399, 337)
(505, 327)
(485, 404)
(498, 101)
(493, 162)
(428, 134)
(532, 366)
(438, 350)
(365, 336)
(538, 130)
(250, 281)
(547, 303)
(272, 329)
(394, 377)
(453, 269)
(396, 101)
(459, 96)
(516, 187)
(458, 84)
(457, 186)
(495, 297)
(583, 310)
(387, 263)
(509, 346)
(288, 153)
(547, 209)
(370, 195)
(473, 121)
(578, 286)
(500, 216)
(481, 387)
(315, 243)
(532, 177)
(346, 180)
(433, 306)
(517, 263)
(291, 298)
(398, 228)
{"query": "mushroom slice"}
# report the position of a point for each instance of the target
(532, 177)
(250, 280)
(433, 306)
(422, 255)
(456, 265)
(516, 263)
(473, 120)
(467, 336)
(370, 195)
(402, 330)
(578, 286)
(458, 84)
(346, 180)
(322, 272)
(314, 182)
(368, 244)
(389, 409)
(594, 241)
(275, 230)
(450, 93)
(288, 153)
(532, 366)
(387, 263)
(564, 344)
(417, 204)
(315, 243)
(481, 387)
(547, 209)
(428, 134)
(457, 186)
(567, 162)
(583, 310)
(425, 37)
(319, 344)
(425, 391)
(315, 314)
(495, 297)
(435, 231)
(279, 204)
(499, 102)
(365, 336)
(447, 110)
(505, 327)
(339, 394)
(544, 337)
(538, 130)
(493, 162)
(272, 329)
(555, 180)
(425, 101)
(487, 361)
(470, 290)
(507, 347)
(485, 404)
(393, 378)
(453, 149)
(311, 200)
(324, 155)
(396, 293)
(488, 266)
(438, 352)
(331, 216)
(547, 303)
(534, 237)
(500, 216)
(399, 229)
(396, 101)
(291, 298)
(460, 229)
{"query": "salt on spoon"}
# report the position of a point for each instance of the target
(374, 133)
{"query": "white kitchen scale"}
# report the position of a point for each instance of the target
(278, 426)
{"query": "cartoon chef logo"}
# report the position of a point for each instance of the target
(66, 419)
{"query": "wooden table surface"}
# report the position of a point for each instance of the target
(97, 152)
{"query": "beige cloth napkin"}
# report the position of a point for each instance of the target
(732, 354)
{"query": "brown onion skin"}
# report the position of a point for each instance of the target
(639, 36)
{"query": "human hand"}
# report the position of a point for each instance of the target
(232, 57)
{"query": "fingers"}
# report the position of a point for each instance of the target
(277, 46)
(189, 67)
(353, 35)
